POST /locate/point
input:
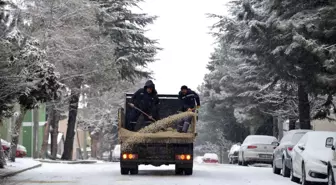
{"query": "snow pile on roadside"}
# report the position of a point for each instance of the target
(21, 163)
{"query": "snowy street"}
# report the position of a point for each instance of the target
(108, 173)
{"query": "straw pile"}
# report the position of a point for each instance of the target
(154, 131)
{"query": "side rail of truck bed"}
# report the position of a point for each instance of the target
(169, 105)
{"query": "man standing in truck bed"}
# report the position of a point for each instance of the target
(189, 102)
(147, 100)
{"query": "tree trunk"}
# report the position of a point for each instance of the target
(44, 146)
(2, 157)
(54, 132)
(46, 132)
(69, 140)
(36, 126)
(304, 108)
(16, 133)
(292, 124)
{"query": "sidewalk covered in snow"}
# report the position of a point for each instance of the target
(20, 165)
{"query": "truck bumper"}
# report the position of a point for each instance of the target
(129, 164)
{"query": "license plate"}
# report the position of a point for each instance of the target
(265, 156)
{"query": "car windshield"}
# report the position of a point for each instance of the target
(296, 137)
(260, 140)
(234, 148)
(316, 141)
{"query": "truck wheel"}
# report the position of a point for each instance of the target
(188, 171)
(178, 171)
(134, 171)
(124, 171)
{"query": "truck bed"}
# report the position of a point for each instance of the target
(169, 136)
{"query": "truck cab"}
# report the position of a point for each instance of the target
(167, 147)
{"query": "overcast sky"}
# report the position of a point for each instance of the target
(182, 30)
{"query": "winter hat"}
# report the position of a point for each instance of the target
(184, 87)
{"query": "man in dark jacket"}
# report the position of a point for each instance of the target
(147, 100)
(190, 101)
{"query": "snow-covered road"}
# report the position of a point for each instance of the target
(108, 173)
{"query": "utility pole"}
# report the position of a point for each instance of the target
(280, 128)
(35, 131)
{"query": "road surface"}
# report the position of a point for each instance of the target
(108, 174)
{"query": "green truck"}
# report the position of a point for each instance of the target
(166, 147)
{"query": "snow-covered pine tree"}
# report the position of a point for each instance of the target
(286, 42)
(126, 30)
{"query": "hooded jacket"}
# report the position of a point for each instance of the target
(144, 100)
(189, 100)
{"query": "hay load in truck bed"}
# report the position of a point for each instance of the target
(158, 143)
(161, 131)
(163, 128)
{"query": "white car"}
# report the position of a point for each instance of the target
(331, 143)
(257, 149)
(310, 158)
(116, 154)
(233, 154)
(198, 159)
(282, 156)
(210, 158)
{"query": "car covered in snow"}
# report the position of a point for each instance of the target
(282, 153)
(5, 145)
(310, 158)
(210, 158)
(233, 153)
(198, 159)
(116, 154)
(21, 151)
(257, 149)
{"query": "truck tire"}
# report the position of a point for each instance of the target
(134, 171)
(178, 171)
(188, 171)
(124, 171)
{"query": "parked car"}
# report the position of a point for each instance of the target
(257, 149)
(282, 154)
(21, 151)
(331, 143)
(310, 158)
(233, 153)
(116, 154)
(210, 158)
(106, 156)
(5, 144)
(198, 159)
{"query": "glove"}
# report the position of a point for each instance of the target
(131, 104)
(198, 106)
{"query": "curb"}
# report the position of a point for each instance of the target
(9, 174)
(67, 162)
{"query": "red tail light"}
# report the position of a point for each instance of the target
(183, 157)
(289, 148)
(129, 156)
(251, 147)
